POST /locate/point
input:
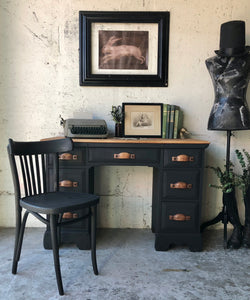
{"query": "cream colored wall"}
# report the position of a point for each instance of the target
(39, 81)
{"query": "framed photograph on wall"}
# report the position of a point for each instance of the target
(124, 48)
(142, 119)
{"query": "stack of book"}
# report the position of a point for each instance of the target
(172, 121)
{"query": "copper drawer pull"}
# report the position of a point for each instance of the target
(67, 215)
(68, 156)
(182, 158)
(70, 215)
(68, 183)
(180, 185)
(124, 155)
(179, 217)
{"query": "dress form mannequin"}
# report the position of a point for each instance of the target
(230, 73)
(230, 77)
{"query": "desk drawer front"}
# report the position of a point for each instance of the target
(123, 155)
(72, 158)
(179, 216)
(181, 184)
(71, 180)
(182, 158)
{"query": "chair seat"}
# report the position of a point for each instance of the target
(58, 202)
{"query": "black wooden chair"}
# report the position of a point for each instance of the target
(28, 162)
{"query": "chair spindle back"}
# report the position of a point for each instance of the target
(29, 164)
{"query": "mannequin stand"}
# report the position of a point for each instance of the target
(222, 216)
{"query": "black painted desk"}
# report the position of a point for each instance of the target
(177, 184)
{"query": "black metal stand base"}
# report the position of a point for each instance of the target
(221, 217)
(217, 219)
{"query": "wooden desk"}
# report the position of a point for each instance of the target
(177, 184)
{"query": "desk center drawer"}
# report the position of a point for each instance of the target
(123, 155)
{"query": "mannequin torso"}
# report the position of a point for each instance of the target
(230, 76)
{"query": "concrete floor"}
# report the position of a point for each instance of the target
(129, 269)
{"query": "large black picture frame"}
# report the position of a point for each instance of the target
(109, 48)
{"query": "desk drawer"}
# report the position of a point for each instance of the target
(181, 184)
(72, 180)
(179, 216)
(123, 155)
(182, 158)
(72, 158)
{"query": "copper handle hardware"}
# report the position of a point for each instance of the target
(68, 156)
(182, 158)
(67, 215)
(68, 183)
(124, 155)
(179, 217)
(180, 185)
(70, 215)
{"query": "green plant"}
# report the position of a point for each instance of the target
(243, 180)
(227, 178)
(117, 114)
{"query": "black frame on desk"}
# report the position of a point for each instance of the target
(139, 54)
(142, 120)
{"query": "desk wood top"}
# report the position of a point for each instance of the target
(136, 141)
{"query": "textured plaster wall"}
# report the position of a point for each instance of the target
(39, 81)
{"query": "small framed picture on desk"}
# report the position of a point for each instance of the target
(142, 119)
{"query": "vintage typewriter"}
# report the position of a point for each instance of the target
(85, 128)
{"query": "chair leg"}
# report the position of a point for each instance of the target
(19, 241)
(17, 232)
(53, 228)
(93, 239)
(59, 235)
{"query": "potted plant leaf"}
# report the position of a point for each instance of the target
(117, 116)
(243, 182)
(227, 183)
